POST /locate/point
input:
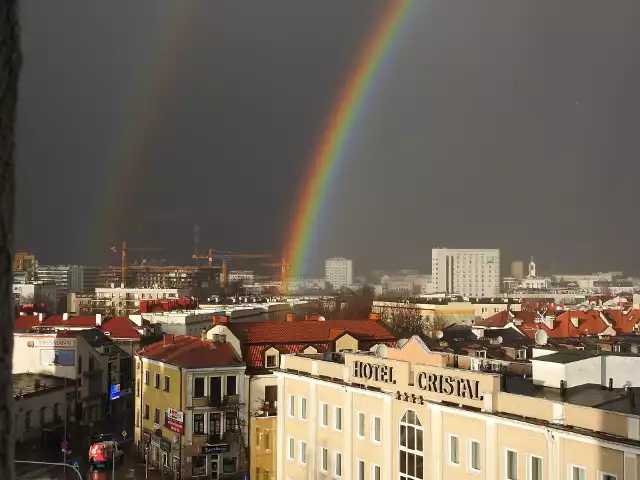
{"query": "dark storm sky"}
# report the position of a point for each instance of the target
(509, 124)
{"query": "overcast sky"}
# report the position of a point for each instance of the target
(508, 124)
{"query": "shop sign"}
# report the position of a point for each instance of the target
(446, 385)
(175, 415)
(165, 445)
(174, 426)
(375, 372)
(222, 448)
(55, 342)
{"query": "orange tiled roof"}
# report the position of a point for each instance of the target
(192, 352)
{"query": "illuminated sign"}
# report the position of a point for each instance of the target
(372, 371)
(445, 385)
(55, 342)
(175, 415)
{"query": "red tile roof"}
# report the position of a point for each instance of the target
(306, 331)
(26, 322)
(192, 352)
(87, 321)
(121, 327)
(295, 337)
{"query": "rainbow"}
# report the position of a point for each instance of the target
(332, 144)
(125, 164)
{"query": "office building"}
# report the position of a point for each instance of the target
(467, 272)
(70, 278)
(402, 413)
(338, 272)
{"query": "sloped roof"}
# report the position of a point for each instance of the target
(192, 352)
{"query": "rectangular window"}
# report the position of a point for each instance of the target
(360, 427)
(474, 455)
(272, 361)
(607, 476)
(156, 416)
(324, 415)
(303, 452)
(292, 406)
(137, 387)
(146, 377)
(231, 385)
(454, 450)
(337, 418)
(303, 408)
(377, 430)
(360, 471)
(337, 465)
(376, 472)
(578, 473)
(198, 423)
(511, 466)
(156, 380)
(534, 470)
(291, 449)
(198, 387)
(166, 383)
(324, 459)
(146, 411)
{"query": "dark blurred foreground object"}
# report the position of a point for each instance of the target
(10, 62)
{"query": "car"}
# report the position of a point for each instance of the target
(104, 452)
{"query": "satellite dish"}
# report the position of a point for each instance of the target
(541, 337)
(381, 351)
(439, 334)
(499, 339)
(402, 342)
(321, 318)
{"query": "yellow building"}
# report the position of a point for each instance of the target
(400, 413)
(189, 406)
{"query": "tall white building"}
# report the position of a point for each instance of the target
(468, 272)
(338, 272)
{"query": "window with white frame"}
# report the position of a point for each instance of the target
(291, 448)
(511, 465)
(473, 455)
(271, 360)
(521, 354)
(324, 415)
(360, 425)
(292, 406)
(534, 467)
(578, 473)
(606, 476)
(337, 464)
(324, 459)
(337, 418)
(360, 470)
(303, 452)
(454, 450)
(377, 429)
(303, 408)
(411, 447)
(376, 472)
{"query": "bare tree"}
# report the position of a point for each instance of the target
(10, 63)
(402, 320)
(438, 322)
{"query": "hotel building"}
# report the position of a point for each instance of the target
(403, 413)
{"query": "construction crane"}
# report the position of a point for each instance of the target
(123, 254)
(225, 257)
(284, 267)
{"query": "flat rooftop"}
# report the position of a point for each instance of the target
(25, 383)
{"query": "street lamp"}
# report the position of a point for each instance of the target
(57, 363)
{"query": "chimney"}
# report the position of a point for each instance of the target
(65, 317)
(98, 319)
(168, 339)
(563, 389)
(223, 319)
(611, 384)
(374, 316)
(291, 317)
(40, 317)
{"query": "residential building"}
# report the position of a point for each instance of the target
(36, 293)
(262, 345)
(80, 303)
(24, 266)
(125, 301)
(71, 278)
(42, 404)
(190, 404)
(467, 272)
(399, 413)
(338, 272)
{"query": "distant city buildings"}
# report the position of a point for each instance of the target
(71, 278)
(467, 272)
(125, 301)
(338, 272)
(247, 277)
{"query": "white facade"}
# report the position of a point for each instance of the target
(468, 272)
(35, 293)
(245, 276)
(338, 272)
(124, 301)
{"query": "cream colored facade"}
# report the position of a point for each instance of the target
(416, 419)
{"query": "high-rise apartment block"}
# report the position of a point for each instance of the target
(338, 272)
(468, 272)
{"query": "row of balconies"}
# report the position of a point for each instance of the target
(226, 402)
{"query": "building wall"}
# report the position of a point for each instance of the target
(338, 272)
(33, 404)
(468, 272)
(263, 448)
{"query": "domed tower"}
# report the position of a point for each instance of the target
(532, 268)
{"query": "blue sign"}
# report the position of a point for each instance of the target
(245, 476)
(114, 392)
(76, 464)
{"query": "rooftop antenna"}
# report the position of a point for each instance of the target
(196, 239)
